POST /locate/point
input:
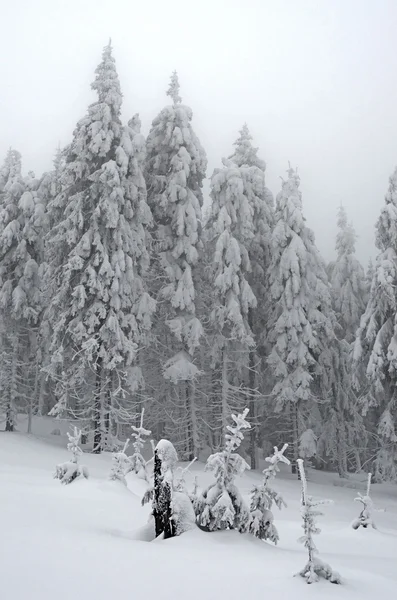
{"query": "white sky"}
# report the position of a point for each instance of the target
(316, 81)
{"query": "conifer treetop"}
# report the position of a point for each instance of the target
(346, 237)
(173, 89)
(107, 84)
(245, 153)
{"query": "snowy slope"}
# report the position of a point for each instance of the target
(80, 540)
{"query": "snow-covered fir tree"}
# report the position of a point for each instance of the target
(101, 309)
(22, 225)
(175, 168)
(314, 567)
(347, 279)
(221, 505)
(263, 496)
(300, 326)
(258, 245)
(343, 428)
(69, 471)
(375, 346)
(229, 234)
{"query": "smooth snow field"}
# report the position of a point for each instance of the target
(86, 540)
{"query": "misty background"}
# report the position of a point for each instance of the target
(315, 80)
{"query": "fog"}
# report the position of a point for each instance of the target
(316, 81)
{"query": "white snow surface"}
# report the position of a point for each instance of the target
(82, 540)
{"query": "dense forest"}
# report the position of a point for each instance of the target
(118, 292)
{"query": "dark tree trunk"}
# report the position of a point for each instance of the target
(162, 502)
(97, 449)
(9, 419)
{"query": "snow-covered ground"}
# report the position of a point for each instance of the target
(80, 541)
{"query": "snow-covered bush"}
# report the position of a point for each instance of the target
(69, 471)
(120, 464)
(221, 505)
(137, 462)
(314, 567)
(365, 517)
(262, 497)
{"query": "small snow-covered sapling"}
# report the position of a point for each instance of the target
(314, 568)
(221, 505)
(262, 497)
(365, 517)
(69, 471)
(120, 462)
(137, 462)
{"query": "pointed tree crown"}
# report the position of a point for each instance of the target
(346, 237)
(245, 153)
(107, 84)
(173, 89)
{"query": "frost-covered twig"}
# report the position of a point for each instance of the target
(137, 462)
(180, 474)
(314, 567)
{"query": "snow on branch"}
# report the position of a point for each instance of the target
(314, 568)
(262, 497)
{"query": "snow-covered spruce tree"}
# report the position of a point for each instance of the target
(22, 223)
(48, 189)
(221, 505)
(365, 517)
(136, 462)
(347, 279)
(300, 325)
(262, 497)
(175, 168)
(69, 471)
(258, 244)
(120, 464)
(98, 254)
(229, 234)
(375, 346)
(343, 429)
(314, 567)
